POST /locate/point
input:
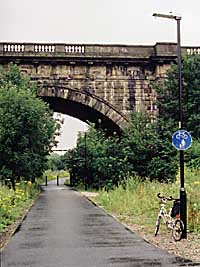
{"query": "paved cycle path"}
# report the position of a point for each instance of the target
(64, 229)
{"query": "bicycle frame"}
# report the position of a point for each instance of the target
(163, 214)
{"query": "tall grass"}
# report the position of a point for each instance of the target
(137, 200)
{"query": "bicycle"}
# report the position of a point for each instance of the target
(171, 219)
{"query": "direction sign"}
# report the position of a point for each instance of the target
(181, 140)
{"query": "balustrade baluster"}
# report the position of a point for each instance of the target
(74, 49)
(193, 51)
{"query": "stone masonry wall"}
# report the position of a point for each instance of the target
(125, 87)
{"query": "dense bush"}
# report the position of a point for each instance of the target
(147, 147)
(104, 161)
(96, 161)
(192, 155)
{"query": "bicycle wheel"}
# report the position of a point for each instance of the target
(157, 226)
(177, 230)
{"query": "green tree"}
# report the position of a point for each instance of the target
(147, 147)
(169, 107)
(55, 162)
(97, 160)
(168, 96)
(27, 128)
(192, 155)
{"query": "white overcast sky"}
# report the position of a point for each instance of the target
(96, 21)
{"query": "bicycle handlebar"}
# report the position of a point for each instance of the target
(167, 198)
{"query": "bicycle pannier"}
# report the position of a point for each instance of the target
(176, 208)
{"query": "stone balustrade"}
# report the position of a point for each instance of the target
(13, 48)
(74, 48)
(118, 51)
(44, 48)
(193, 50)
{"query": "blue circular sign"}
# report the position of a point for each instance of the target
(181, 140)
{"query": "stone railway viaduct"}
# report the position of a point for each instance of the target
(96, 83)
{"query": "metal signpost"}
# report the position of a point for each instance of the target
(180, 143)
(182, 140)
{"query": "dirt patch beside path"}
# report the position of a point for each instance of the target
(187, 248)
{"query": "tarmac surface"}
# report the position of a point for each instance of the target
(64, 228)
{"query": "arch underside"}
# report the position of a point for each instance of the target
(84, 106)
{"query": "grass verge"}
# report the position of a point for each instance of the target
(136, 202)
(13, 206)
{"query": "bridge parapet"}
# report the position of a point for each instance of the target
(75, 50)
(94, 51)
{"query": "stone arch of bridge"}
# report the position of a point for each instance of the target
(85, 106)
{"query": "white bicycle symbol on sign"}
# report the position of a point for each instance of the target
(181, 135)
